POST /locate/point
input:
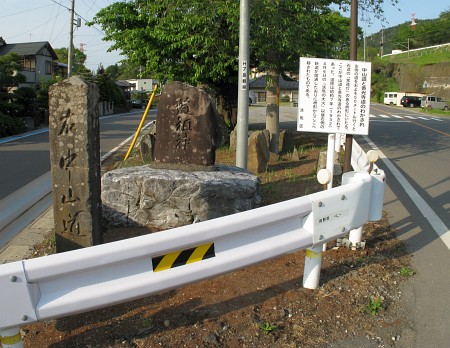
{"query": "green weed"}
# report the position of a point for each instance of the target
(373, 306)
(267, 328)
(407, 272)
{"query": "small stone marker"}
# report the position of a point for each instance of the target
(146, 146)
(75, 163)
(286, 142)
(258, 152)
(186, 126)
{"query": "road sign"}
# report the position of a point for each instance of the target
(334, 96)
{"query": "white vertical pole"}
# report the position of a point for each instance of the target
(355, 236)
(311, 273)
(330, 158)
(243, 76)
(11, 338)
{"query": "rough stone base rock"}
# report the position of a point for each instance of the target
(145, 196)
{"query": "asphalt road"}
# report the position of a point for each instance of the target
(415, 155)
(25, 171)
(417, 199)
(26, 157)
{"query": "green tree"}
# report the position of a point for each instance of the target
(109, 91)
(113, 71)
(198, 41)
(9, 66)
(79, 59)
(9, 80)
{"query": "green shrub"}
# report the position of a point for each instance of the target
(285, 99)
(10, 125)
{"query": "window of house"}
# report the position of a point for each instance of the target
(28, 63)
(262, 97)
(48, 67)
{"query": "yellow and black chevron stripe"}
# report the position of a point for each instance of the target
(183, 257)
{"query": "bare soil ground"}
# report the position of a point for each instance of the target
(260, 306)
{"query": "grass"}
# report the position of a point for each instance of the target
(422, 57)
(407, 272)
(267, 328)
(374, 305)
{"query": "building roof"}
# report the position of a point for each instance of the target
(27, 49)
(261, 82)
(124, 83)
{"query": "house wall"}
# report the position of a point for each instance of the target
(143, 84)
(40, 72)
(261, 94)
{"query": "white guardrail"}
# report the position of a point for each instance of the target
(86, 279)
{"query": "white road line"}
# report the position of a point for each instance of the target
(28, 134)
(106, 155)
(384, 116)
(436, 119)
(438, 225)
(411, 117)
(372, 116)
(44, 130)
(423, 118)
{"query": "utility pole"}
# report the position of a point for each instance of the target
(243, 78)
(69, 51)
(382, 43)
(364, 45)
(353, 56)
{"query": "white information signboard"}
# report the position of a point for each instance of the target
(334, 96)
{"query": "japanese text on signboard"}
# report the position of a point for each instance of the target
(334, 96)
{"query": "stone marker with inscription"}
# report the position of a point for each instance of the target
(186, 126)
(75, 163)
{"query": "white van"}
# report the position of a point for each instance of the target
(433, 102)
(393, 98)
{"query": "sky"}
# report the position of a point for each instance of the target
(48, 20)
(401, 13)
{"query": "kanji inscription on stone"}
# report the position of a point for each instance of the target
(75, 163)
(186, 126)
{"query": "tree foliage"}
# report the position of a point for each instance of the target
(9, 80)
(109, 91)
(198, 41)
(427, 32)
(9, 66)
(79, 59)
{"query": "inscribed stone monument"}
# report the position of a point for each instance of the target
(75, 163)
(186, 126)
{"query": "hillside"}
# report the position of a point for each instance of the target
(428, 32)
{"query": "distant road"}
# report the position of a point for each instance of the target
(26, 157)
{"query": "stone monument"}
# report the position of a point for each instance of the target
(186, 126)
(75, 163)
(183, 185)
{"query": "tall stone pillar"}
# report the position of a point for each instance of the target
(75, 163)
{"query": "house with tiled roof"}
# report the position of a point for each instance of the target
(288, 89)
(38, 60)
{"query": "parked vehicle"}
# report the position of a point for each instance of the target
(433, 102)
(392, 98)
(136, 103)
(411, 101)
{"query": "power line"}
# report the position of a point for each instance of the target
(16, 13)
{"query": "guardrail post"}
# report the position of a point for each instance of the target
(11, 338)
(313, 262)
(355, 237)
